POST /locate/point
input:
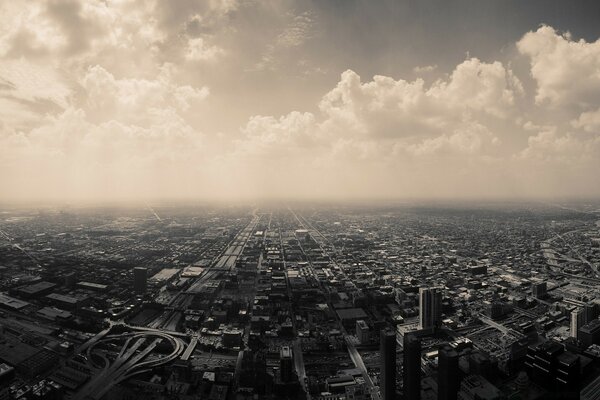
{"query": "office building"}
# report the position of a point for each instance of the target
(7, 374)
(140, 278)
(411, 367)
(539, 290)
(448, 373)
(476, 387)
(363, 333)
(286, 364)
(388, 364)
(430, 307)
(554, 369)
(589, 334)
(578, 319)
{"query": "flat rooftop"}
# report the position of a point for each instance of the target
(165, 274)
(351, 313)
(11, 302)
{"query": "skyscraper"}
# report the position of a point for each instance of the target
(411, 367)
(539, 290)
(430, 307)
(448, 378)
(578, 319)
(286, 364)
(140, 276)
(388, 364)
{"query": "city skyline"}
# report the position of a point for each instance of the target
(239, 100)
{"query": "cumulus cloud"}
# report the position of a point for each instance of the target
(588, 121)
(565, 70)
(111, 98)
(70, 156)
(135, 100)
(397, 108)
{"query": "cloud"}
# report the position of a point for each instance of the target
(392, 108)
(566, 71)
(468, 139)
(424, 69)
(138, 101)
(588, 121)
(111, 98)
(69, 156)
(297, 32)
(198, 50)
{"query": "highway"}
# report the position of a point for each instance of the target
(130, 358)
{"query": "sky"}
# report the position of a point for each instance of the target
(338, 99)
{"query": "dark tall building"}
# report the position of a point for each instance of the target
(539, 290)
(411, 368)
(430, 307)
(286, 364)
(448, 374)
(140, 277)
(554, 369)
(388, 364)
(589, 334)
(7, 374)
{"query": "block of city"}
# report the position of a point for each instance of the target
(457, 301)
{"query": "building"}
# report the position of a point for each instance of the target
(430, 307)
(554, 369)
(357, 392)
(388, 364)
(286, 364)
(476, 387)
(55, 314)
(164, 276)
(140, 280)
(66, 302)
(7, 374)
(589, 334)
(539, 290)
(10, 303)
(35, 290)
(27, 359)
(411, 370)
(578, 319)
(349, 316)
(448, 373)
(95, 287)
(232, 338)
(363, 332)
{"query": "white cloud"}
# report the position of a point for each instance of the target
(135, 100)
(386, 107)
(97, 99)
(467, 139)
(198, 50)
(588, 121)
(566, 71)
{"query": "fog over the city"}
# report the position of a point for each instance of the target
(217, 99)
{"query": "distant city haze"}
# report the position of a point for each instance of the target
(227, 99)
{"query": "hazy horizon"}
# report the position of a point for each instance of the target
(230, 100)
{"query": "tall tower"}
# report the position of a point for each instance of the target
(140, 276)
(411, 368)
(286, 364)
(388, 364)
(578, 319)
(448, 382)
(430, 307)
